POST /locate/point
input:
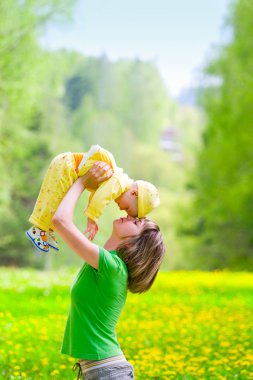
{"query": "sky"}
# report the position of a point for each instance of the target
(177, 35)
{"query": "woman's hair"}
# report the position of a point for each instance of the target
(143, 255)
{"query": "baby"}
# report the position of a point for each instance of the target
(137, 198)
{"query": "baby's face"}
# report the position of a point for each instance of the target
(128, 201)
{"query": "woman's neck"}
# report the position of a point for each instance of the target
(112, 243)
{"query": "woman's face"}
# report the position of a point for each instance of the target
(127, 227)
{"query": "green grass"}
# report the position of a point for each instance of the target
(191, 325)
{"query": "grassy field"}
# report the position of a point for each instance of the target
(191, 325)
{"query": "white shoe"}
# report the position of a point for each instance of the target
(38, 238)
(51, 240)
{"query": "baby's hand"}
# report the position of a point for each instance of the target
(92, 229)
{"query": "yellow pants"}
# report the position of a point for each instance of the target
(60, 176)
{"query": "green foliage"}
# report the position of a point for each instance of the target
(224, 180)
(23, 144)
(111, 99)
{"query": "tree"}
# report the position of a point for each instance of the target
(224, 180)
(23, 145)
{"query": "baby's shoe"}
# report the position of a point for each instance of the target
(51, 240)
(39, 238)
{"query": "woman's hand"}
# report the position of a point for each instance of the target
(100, 172)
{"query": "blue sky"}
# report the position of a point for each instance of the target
(176, 34)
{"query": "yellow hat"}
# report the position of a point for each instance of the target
(148, 198)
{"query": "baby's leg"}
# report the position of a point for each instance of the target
(60, 176)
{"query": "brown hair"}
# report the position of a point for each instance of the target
(143, 255)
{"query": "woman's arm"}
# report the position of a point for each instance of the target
(63, 218)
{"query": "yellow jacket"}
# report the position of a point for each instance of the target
(108, 190)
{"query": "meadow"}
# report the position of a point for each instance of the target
(191, 325)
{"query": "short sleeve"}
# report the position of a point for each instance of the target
(110, 264)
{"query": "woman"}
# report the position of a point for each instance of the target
(130, 259)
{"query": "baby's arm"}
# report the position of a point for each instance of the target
(91, 229)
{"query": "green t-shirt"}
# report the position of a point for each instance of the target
(97, 298)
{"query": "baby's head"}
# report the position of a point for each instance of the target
(139, 200)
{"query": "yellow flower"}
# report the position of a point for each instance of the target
(55, 372)
(224, 344)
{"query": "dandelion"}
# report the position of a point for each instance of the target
(54, 372)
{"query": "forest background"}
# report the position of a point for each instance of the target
(51, 102)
